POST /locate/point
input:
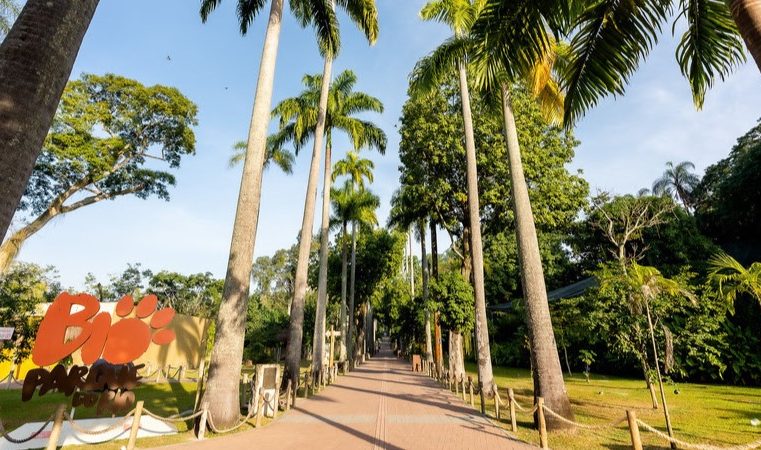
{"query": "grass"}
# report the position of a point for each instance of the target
(163, 399)
(700, 413)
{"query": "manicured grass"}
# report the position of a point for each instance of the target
(700, 413)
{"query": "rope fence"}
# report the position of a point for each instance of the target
(460, 384)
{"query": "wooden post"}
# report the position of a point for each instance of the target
(199, 383)
(511, 403)
(202, 422)
(181, 373)
(631, 416)
(244, 392)
(462, 385)
(470, 391)
(158, 374)
(305, 385)
(456, 388)
(288, 396)
(542, 423)
(135, 425)
(55, 433)
(332, 345)
(496, 401)
(260, 412)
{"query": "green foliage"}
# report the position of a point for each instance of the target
(9, 9)
(731, 278)
(105, 132)
(193, 295)
(130, 282)
(452, 296)
(22, 289)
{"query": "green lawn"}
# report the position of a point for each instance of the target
(700, 413)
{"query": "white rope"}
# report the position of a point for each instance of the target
(173, 418)
(108, 429)
(603, 426)
(233, 428)
(680, 443)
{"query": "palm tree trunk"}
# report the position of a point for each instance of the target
(352, 326)
(485, 374)
(438, 351)
(658, 372)
(747, 15)
(548, 373)
(424, 264)
(344, 285)
(36, 59)
(318, 343)
(296, 325)
(222, 390)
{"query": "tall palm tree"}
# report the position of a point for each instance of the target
(227, 353)
(36, 58)
(678, 182)
(494, 70)
(355, 206)
(277, 155)
(358, 170)
(298, 120)
(733, 279)
(460, 15)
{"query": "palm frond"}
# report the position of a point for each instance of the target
(247, 12)
(364, 14)
(442, 62)
(611, 38)
(711, 47)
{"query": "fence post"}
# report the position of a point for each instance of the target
(135, 425)
(456, 388)
(511, 403)
(199, 382)
(288, 396)
(305, 385)
(181, 373)
(55, 434)
(631, 416)
(202, 422)
(542, 423)
(470, 391)
(496, 401)
(260, 412)
(462, 385)
(482, 397)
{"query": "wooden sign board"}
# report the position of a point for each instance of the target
(268, 385)
(417, 363)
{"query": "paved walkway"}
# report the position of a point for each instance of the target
(381, 405)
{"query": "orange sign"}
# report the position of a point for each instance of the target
(119, 343)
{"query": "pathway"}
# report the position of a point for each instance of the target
(380, 405)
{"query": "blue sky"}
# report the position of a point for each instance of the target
(625, 142)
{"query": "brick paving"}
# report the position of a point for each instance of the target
(380, 405)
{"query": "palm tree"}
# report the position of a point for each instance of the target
(358, 170)
(279, 156)
(611, 38)
(733, 279)
(460, 15)
(355, 206)
(495, 69)
(36, 58)
(227, 353)
(298, 119)
(646, 284)
(678, 182)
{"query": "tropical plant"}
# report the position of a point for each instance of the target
(298, 121)
(452, 296)
(678, 182)
(732, 279)
(33, 75)
(222, 387)
(279, 156)
(107, 129)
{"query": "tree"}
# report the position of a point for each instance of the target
(106, 132)
(192, 295)
(459, 16)
(36, 58)
(298, 116)
(8, 12)
(453, 297)
(224, 371)
(733, 279)
(348, 207)
(22, 289)
(643, 285)
(678, 182)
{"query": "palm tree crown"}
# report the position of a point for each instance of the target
(733, 279)
(678, 182)
(357, 169)
(281, 157)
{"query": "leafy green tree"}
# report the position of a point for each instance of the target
(728, 199)
(107, 131)
(298, 122)
(192, 295)
(453, 297)
(678, 182)
(22, 289)
(33, 75)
